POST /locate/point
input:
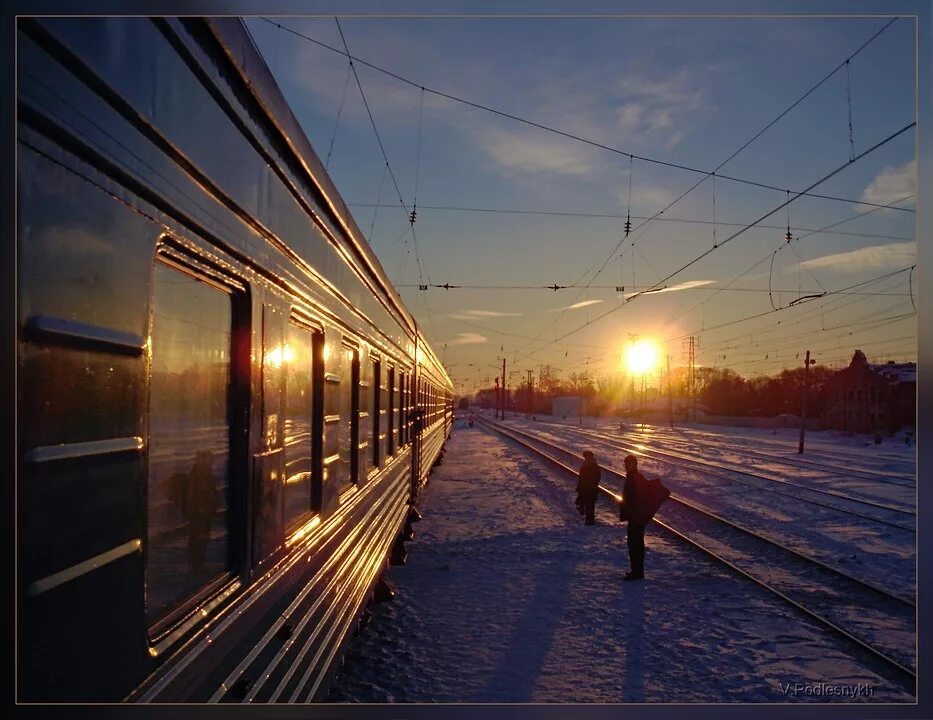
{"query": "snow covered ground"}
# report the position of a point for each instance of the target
(875, 552)
(508, 597)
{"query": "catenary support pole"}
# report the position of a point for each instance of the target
(803, 401)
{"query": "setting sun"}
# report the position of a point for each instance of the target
(641, 357)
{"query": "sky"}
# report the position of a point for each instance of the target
(684, 91)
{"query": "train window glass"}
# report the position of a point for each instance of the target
(401, 410)
(378, 408)
(346, 468)
(188, 536)
(389, 395)
(406, 410)
(382, 423)
(267, 494)
(332, 423)
(298, 356)
(367, 438)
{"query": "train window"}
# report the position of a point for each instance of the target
(188, 496)
(332, 426)
(389, 395)
(365, 426)
(377, 409)
(401, 410)
(299, 360)
(346, 468)
(403, 407)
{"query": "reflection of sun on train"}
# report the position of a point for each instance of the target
(225, 411)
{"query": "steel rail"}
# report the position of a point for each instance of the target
(763, 488)
(888, 478)
(616, 497)
(659, 454)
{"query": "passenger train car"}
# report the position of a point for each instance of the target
(225, 411)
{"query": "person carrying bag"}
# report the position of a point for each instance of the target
(641, 499)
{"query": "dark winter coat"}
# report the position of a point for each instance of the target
(630, 509)
(588, 482)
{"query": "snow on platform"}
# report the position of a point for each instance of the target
(508, 597)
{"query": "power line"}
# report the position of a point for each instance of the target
(707, 288)
(791, 307)
(807, 234)
(376, 132)
(747, 227)
(646, 224)
(825, 308)
(614, 216)
(421, 271)
(776, 343)
(555, 131)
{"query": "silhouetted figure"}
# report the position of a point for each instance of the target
(634, 481)
(588, 487)
(470, 421)
(198, 508)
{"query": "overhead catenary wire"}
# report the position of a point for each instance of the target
(372, 225)
(646, 224)
(382, 149)
(349, 56)
(572, 136)
(803, 231)
(829, 305)
(552, 288)
(809, 233)
(737, 234)
(343, 98)
(755, 316)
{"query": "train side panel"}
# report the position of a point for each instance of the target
(173, 260)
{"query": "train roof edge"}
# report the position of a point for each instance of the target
(233, 36)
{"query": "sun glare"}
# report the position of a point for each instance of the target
(641, 357)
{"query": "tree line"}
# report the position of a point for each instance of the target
(718, 391)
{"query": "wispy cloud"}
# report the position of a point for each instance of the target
(489, 313)
(581, 304)
(468, 339)
(687, 285)
(527, 152)
(660, 106)
(891, 184)
(646, 199)
(876, 257)
(481, 314)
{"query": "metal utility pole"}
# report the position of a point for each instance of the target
(531, 392)
(670, 393)
(633, 337)
(693, 376)
(505, 396)
(498, 398)
(803, 400)
(644, 390)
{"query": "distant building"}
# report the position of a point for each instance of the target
(869, 398)
(570, 406)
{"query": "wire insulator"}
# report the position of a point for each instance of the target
(412, 216)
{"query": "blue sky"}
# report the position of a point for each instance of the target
(689, 91)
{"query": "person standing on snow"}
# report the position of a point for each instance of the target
(588, 487)
(631, 511)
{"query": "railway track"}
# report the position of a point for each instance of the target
(882, 476)
(881, 624)
(720, 469)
